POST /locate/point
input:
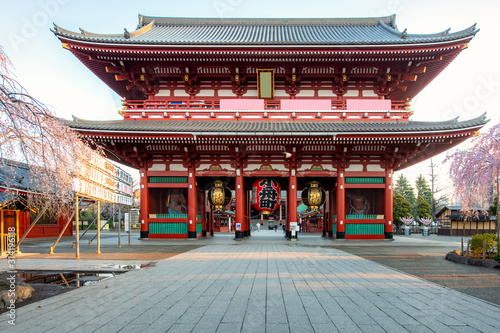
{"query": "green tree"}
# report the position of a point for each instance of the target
(423, 189)
(86, 215)
(404, 188)
(401, 208)
(424, 208)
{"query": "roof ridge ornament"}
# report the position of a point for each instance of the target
(404, 34)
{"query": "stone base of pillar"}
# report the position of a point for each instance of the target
(330, 234)
(144, 234)
(211, 233)
(191, 234)
(340, 235)
(388, 235)
(324, 233)
(204, 233)
(238, 235)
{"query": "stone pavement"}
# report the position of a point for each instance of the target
(260, 284)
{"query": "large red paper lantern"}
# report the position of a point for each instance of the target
(266, 195)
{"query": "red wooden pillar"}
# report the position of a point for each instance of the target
(247, 215)
(388, 204)
(191, 203)
(240, 205)
(324, 220)
(144, 215)
(203, 206)
(292, 201)
(341, 204)
(331, 204)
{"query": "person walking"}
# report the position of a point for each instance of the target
(275, 227)
(258, 226)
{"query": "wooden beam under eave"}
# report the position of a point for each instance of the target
(111, 69)
(420, 69)
(409, 77)
(122, 77)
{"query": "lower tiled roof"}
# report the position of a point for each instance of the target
(275, 127)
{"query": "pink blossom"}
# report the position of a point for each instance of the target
(473, 171)
(407, 220)
(426, 221)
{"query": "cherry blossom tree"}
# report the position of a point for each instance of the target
(474, 171)
(30, 133)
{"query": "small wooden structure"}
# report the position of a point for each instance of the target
(14, 181)
(452, 221)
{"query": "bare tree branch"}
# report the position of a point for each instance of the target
(30, 133)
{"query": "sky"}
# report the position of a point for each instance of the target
(468, 87)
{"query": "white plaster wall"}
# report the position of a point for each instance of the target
(163, 92)
(206, 92)
(177, 167)
(180, 93)
(326, 93)
(355, 167)
(374, 168)
(158, 167)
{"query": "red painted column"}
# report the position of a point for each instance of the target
(292, 201)
(205, 227)
(240, 205)
(144, 214)
(211, 222)
(341, 204)
(247, 215)
(331, 204)
(191, 203)
(388, 204)
(324, 220)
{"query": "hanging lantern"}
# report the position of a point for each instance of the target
(266, 195)
(219, 196)
(313, 196)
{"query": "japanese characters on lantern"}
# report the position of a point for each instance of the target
(313, 196)
(266, 195)
(219, 196)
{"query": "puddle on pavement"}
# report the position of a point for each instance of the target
(69, 279)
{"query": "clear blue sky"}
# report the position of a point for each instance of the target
(467, 88)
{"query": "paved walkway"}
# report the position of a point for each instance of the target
(260, 286)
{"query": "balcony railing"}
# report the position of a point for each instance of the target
(210, 110)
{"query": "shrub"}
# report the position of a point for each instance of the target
(496, 257)
(476, 244)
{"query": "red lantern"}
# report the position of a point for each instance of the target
(266, 195)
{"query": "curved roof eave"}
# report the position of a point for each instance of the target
(427, 128)
(154, 31)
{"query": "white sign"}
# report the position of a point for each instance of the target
(126, 221)
(293, 226)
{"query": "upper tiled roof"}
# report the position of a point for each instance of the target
(238, 31)
(273, 127)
